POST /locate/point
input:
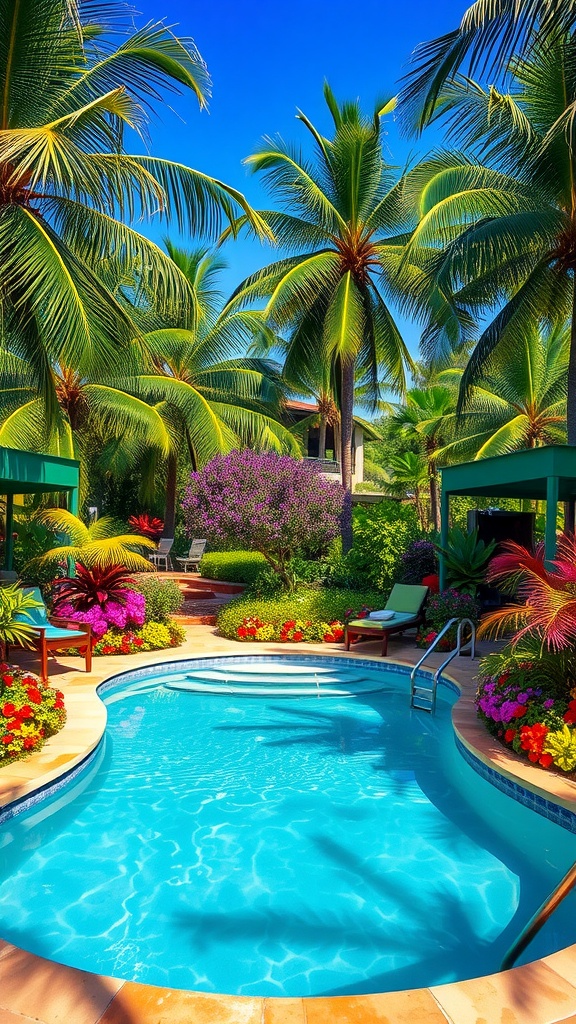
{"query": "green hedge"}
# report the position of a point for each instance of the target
(325, 605)
(232, 566)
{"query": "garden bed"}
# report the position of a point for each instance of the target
(306, 615)
(30, 712)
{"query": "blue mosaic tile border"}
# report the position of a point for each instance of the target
(554, 812)
(49, 789)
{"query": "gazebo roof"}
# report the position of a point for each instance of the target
(29, 473)
(521, 474)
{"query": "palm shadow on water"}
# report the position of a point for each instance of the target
(414, 753)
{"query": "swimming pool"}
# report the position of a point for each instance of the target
(278, 845)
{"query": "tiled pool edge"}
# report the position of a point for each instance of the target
(549, 982)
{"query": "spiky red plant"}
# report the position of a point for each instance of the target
(147, 525)
(92, 586)
(547, 593)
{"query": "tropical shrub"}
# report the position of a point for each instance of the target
(382, 533)
(15, 602)
(440, 608)
(315, 613)
(152, 636)
(531, 713)
(131, 612)
(100, 543)
(30, 712)
(419, 560)
(466, 559)
(232, 566)
(146, 525)
(547, 596)
(273, 504)
(163, 597)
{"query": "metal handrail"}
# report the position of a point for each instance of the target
(453, 654)
(431, 648)
(538, 919)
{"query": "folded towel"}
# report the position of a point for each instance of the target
(382, 616)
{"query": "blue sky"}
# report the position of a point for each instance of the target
(267, 59)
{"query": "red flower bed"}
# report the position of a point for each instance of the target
(30, 712)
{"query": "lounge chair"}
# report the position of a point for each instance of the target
(55, 633)
(407, 604)
(162, 553)
(194, 555)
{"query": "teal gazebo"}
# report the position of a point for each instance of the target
(28, 473)
(541, 474)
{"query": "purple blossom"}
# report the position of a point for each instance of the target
(270, 503)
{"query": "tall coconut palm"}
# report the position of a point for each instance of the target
(210, 399)
(429, 416)
(340, 212)
(490, 34)
(410, 475)
(70, 86)
(518, 402)
(497, 232)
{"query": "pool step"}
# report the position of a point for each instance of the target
(422, 698)
(286, 690)
(260, 679)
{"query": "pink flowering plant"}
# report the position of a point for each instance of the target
(270, 503)
(440, 608)
(100, 596)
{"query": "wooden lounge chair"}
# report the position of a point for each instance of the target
(194, 555)
(407, 603)
(162, 553)
(53, 633)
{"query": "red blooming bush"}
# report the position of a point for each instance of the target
(30, 712)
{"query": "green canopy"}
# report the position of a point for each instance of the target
(29, 473)
(547, 474)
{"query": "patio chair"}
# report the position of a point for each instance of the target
(406, 602)
(194, 555)
(54, 633)
(162, 553)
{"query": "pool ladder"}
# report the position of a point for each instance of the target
(423, 695)
(539, 919)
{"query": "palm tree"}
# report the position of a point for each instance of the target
(490, 34)
(68, 91)
(210, 399)
(341, 212)
(519, 401)
(410, 475)
(97, 544)
(500, 235)
(429, 417)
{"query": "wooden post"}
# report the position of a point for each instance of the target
(444, 525)
(551, 513)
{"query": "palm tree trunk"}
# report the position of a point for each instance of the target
(322, 439)
(170, 502)
(346, 428)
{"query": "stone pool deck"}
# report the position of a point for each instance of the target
(37, 990)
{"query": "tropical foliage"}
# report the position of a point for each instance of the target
(73, 79)
(99, 544)
(340, 215)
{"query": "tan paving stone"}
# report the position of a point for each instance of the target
(50, 992)
(147, 1004)
(284, 1011)
(532, 994)
(415, 1007)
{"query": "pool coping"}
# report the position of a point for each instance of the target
(538, 993)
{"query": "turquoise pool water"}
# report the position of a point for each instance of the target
(269, 845)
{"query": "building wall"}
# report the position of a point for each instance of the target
(358, 463)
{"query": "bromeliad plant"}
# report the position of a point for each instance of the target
(147, 525)
(466, 560)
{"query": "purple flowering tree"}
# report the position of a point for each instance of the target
(270, 503)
